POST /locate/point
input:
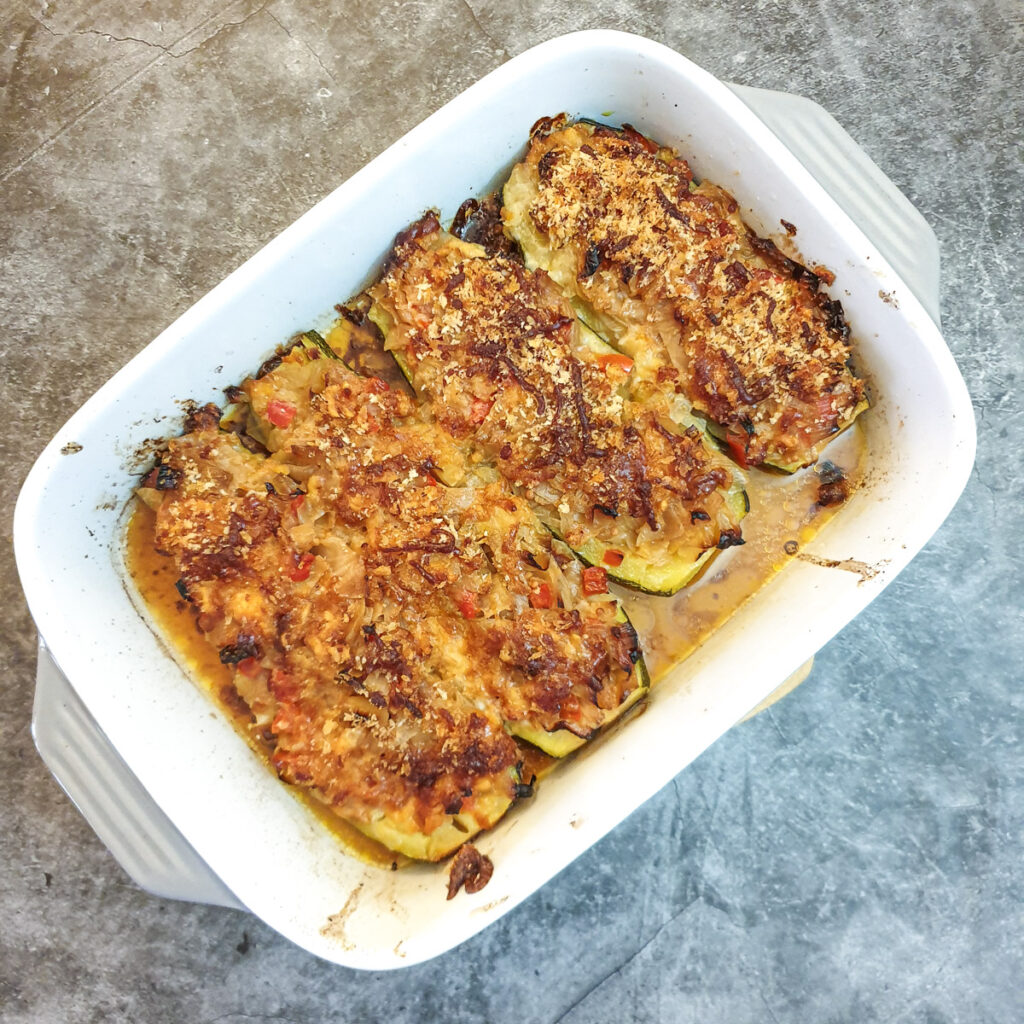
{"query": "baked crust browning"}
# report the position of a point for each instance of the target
(503, 363)
(668, 271)
(379, 624)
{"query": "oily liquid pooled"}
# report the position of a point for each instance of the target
(784, 515)
(154, 576)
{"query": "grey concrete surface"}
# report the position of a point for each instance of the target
(855, 854)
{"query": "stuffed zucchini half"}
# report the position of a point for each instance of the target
(509, 373)
(664, 269)
(389, 635)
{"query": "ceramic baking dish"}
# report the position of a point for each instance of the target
(161, 774)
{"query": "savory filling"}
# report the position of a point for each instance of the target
(508, 371)
(389, 634)
(665, 269)
(391, 579)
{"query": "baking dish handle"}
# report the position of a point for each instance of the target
(124, 816)
(857, 184)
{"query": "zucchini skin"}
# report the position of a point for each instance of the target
(761, 351)
(665, 581)
(557, 742)
(447, 837)
(586, 350)
(562, 742)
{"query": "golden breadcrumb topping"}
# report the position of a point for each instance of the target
(666, 263)
(386, 632)
(501, 360)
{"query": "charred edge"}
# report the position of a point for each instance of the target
(729, 539)
(627, 631)
(206, 417)
(629, 132)
(246, 647)
(164, 478)
(523, 790)
(546, 125)
(462, 217)
(486, 228)
(833, 488)
(470, 868)
(428, 224)
(250, 444)
(771, 253)
(591, 261)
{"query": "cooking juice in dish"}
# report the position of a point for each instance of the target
(657, 428)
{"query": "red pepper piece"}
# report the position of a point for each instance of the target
(478, 410)
(280, 413)
(616, 359)
(738, 446)
(303, 567)
(595, 580)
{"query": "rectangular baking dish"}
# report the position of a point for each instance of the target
(263, 849)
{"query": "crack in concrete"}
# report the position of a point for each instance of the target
(303, 43)
(487, 35)
(110, 37)
(164, 51)
(168, 50)
(618, 970)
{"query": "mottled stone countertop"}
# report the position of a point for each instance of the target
(855, 854)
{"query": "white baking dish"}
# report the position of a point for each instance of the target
(219, 806)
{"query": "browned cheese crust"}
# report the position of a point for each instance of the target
(761, 351)
(496, 352)
(379, 623)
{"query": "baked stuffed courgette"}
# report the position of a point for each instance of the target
(511, 375)
(665, 269)
(565, 664)
(389, 635)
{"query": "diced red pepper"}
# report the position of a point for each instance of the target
(616, 359)
(595, 580)
(570, 708)
(738, 446)
(284, 688)
(542, 597)
(249, 667)
(613, 558)
(280, 413)
(303, 567)
(467, 604)
(296, 503)
(429, 480)
(478, 410)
